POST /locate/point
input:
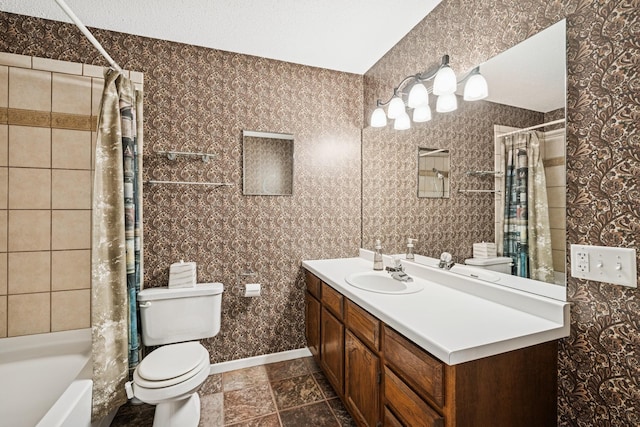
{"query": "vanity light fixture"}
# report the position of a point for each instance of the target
(417, 98)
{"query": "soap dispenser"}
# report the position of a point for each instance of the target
(377, 257)
(410, 242)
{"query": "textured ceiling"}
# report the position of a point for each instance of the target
(336, 34)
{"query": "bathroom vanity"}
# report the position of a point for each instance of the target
(458, 352)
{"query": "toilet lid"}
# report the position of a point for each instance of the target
(171, 364)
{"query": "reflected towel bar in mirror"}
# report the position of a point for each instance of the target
(213, 184)
(173, 155)
(479, 191)
(485, 173)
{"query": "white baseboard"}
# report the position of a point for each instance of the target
(232, 365)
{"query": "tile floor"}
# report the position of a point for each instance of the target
(293, 393)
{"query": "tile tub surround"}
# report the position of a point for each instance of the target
(290, 393)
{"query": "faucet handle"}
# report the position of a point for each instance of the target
(397, 263)
(446, 257)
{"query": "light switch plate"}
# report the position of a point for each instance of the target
(605, 264)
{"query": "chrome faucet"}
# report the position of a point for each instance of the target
(397, 271)
(446, 261)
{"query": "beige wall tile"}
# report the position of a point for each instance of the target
(70, 230)
(558, 239)
(4, 187)
(29, 314)
(557, 197)
(29, 89)
(29, 230)
(71, 94)
(15, 60)
(70, 149)
(92, 71)
(71, 189)
(97, 86)
(3, 316)
(4, 86)
(70, 270)
(559, 260)
(558, 218)
(555, 176)
(54, 65)
(4, 145)
(70, 310)
(29, 188)
(29, 147)
(3, 274)
(4, 229)
(29, 272)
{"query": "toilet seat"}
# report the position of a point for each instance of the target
(171, 364)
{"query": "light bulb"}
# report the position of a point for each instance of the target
(402, 122)
(447, 103)
(396, 108)
(476, 87)
(418, 96)
(445, 82)
(378, 118)
(422, 114)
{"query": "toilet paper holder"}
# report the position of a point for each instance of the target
(252, 289)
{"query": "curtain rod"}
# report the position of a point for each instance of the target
(554, 122)
(88, 34)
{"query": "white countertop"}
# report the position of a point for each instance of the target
(456, 319)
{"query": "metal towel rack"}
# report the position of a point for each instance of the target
(479, 191)
(173, 155)
(212, 184)
(485, 173)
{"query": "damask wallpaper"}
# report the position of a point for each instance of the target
(198, 99)
(599, 363)
(201, 99)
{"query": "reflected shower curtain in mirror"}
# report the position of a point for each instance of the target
(116, 242)
(527, 236)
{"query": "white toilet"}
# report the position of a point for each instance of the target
(170, 376)
(499, 264)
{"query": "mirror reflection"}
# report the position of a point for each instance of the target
(267, 160)
(433, 173)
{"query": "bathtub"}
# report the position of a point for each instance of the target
(46, 380)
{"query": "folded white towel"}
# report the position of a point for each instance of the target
(484, 250)
(182, 275)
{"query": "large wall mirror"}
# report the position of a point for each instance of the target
(267, 163)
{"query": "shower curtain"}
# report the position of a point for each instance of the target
(527, 235)
(116, 242)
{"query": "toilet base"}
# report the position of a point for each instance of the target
(178, 413)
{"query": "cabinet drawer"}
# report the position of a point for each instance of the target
(408, 406)
(332, 299)
(415, 366)
(363, 325)
(313, 284)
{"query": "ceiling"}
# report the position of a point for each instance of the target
(348, 36)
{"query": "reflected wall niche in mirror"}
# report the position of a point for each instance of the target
(433, 173)
(267, 163)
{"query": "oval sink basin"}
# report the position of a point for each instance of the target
(382, 283)
(476, 273)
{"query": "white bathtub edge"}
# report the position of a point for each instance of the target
(73, 408)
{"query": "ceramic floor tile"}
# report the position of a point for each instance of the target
(341, 413)
(211, 410)
(312, 364)
(248, 403)
(287, 369)
(268, 421)
(317, 415)
(296, 391)
(324, 385)
(213, 384)
(243, 378)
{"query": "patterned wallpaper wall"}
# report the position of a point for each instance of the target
(599, 377)
(198, 99)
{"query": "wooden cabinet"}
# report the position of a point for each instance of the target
(385, 379)
(332, 349)
(312, 325)
(362, 378)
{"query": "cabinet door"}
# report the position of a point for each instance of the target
(361, 388)
(312, 325)
(332, 349)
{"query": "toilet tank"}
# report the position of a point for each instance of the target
(499, 264)
(180, 314)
